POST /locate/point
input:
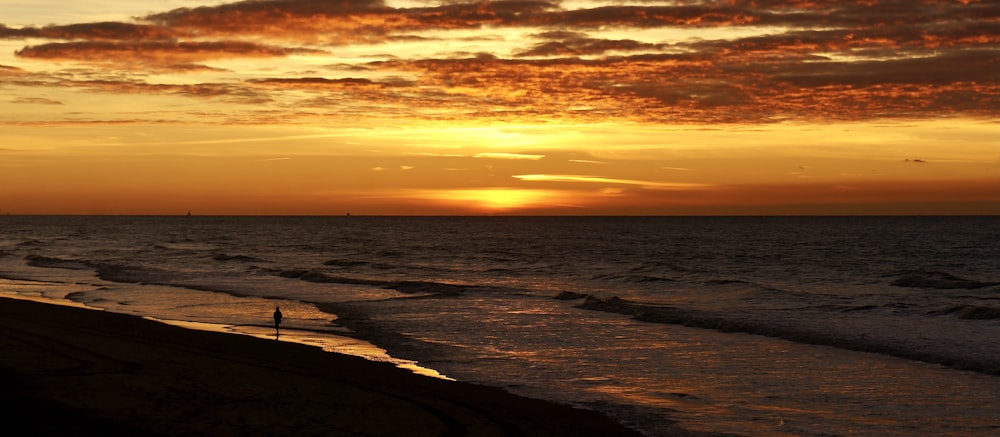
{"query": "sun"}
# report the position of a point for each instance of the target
(505, 199)
(497, 200)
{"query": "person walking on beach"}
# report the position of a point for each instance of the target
(277, 320)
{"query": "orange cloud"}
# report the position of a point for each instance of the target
(7, 70)
(36, 100)
(320, 83)
(696, 88)
(654, 185)
(577, 44)
(168, 52)
(339, 22)
(91, 31)
(851, 60)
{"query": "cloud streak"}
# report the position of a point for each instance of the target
(167, 52)
(611, 181)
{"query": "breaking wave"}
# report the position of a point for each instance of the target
(708, 320)
(408, 287)
(56, 263)
(632, 278)
(969, 312)
(345, 263)
(236, 258)
(938, 280)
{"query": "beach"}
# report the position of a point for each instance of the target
(75, 371)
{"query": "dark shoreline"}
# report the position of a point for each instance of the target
(72, 371)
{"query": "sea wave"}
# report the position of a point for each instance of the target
(323, 278)
(938, 280)
(345, 263)
(236, 258)
(710, 320)
(631, 278)
(731, 282)
(133, 274)
(969, 312)
(56, 263)
(186, 246)
(408, 287)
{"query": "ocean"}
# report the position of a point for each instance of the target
(756, 326)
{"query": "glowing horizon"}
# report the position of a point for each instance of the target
(307, 107)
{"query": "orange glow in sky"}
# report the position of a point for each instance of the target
(588, 107)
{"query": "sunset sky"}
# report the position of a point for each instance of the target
(575, 107)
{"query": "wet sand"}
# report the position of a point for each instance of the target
(71, 371)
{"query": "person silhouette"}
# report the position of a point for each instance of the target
(277, 321)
